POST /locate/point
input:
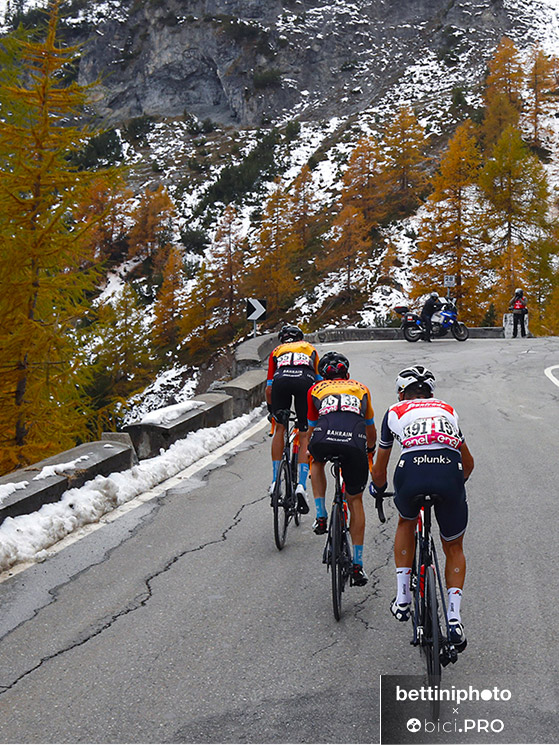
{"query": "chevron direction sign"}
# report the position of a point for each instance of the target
(256, 309)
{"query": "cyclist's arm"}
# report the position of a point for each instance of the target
(371, 434)
(467, 460)
(379, 471)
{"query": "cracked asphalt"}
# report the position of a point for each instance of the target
(181, 622)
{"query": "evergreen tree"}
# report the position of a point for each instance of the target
(43, 254)
(447, 244)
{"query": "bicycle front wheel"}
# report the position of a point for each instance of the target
(281, 503)
(432, 640)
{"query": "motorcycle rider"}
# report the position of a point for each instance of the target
(432, 305)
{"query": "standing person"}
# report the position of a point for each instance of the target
(292, 370)
(434, 460)
(432, 305)
(519, 308)
(341, 422)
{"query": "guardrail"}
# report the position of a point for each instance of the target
(27, 489)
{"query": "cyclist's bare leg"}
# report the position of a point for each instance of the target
(318, 480)
(357, 521)
(404, 542)
(455, 570)
(303, 447)
(277, 441)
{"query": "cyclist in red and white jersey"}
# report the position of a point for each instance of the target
(434, 460)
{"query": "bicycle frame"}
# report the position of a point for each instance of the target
(338, 552)
(285, 504)
(425, 557)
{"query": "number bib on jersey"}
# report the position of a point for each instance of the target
(294, 359)
(422, 423)
(437, 430)
(339, 402)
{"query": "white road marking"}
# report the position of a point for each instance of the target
(551, 376)
(161, 488)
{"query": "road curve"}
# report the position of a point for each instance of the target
(181, 622)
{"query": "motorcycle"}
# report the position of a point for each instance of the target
(442, 322)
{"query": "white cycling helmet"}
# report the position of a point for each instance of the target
(415, 374)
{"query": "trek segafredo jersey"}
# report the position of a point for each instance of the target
(421, 424)
(348, 396)
(292, 359)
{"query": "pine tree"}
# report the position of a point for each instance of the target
(302, 205)
(121, 356)
(105, 204)
(515, 191)
(404, 145)
(365, 182)
(347, 247)
(503, 92)
(198, 327)
(152, 233)
(448, 244)
(540, 81)
(276, 245)
(227, 267)
(43, 254)
(168, 306)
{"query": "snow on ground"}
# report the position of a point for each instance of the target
(27, 537)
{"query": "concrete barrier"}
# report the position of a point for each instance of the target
(247, 391)
(250, 355)
(149, 439)
(21, 492)
(28, 489)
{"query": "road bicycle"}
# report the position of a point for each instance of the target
(338, 552)
(284, 499)
(429, 604)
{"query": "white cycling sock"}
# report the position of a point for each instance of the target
(403, 575)
(454, 600)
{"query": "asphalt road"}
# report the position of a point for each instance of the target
(181, 622)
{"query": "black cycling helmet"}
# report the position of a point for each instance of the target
(414, 375)
(333, 365)
(290, 333)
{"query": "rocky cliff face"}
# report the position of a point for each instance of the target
(246, 62)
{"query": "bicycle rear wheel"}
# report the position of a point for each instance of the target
(336, 561)
(432, 639)
(294, 479)
(282, 499)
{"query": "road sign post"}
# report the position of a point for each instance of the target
(256, 311)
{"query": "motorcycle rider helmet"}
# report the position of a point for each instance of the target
(333, 365)
(519, 291)
(434, 295)
(412, 375)
(290, 333)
